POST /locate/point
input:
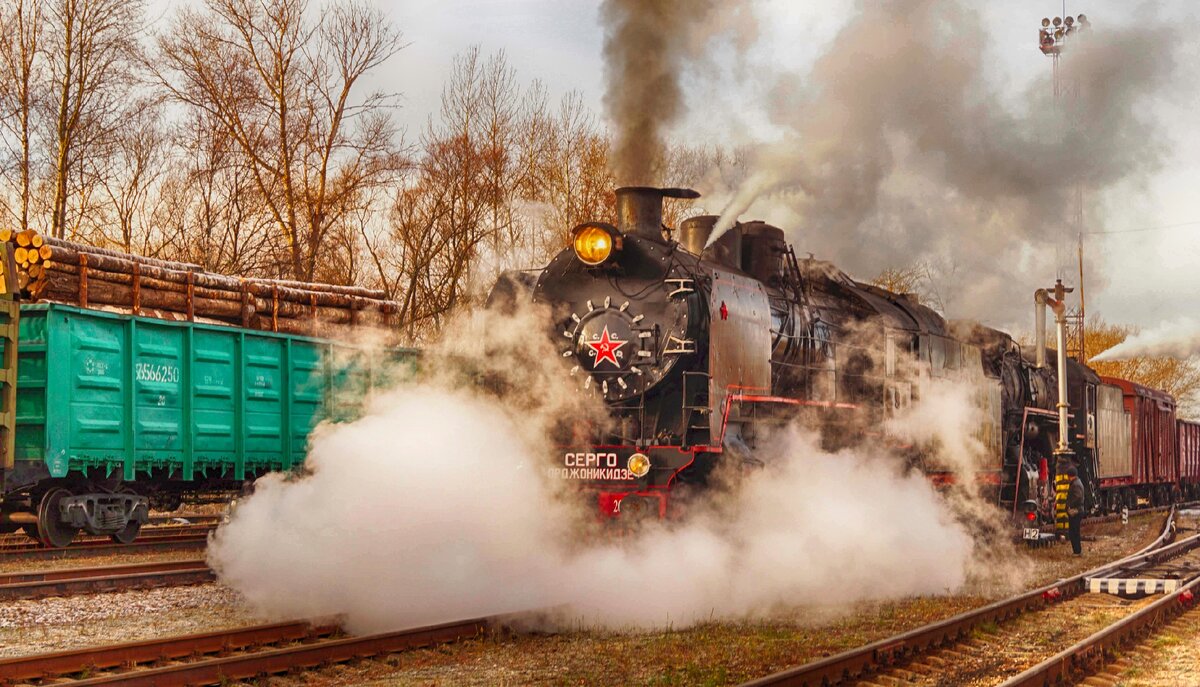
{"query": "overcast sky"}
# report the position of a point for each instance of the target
(1152, 275)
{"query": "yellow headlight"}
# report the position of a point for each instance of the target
(639, 464)
(593, 245)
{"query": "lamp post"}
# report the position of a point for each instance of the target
(1052, 38)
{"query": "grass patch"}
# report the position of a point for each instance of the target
(1164, 641)
(988, 627)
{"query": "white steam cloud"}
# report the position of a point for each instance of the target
(435, 505)
(1176, 339)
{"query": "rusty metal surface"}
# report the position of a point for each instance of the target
(36, 585)
(892, 650)
(221, 670)
(101, 571)
(69, 662)
(320, 648)
(35, 551)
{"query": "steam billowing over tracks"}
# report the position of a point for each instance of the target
(1019, 641)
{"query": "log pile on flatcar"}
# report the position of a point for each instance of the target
(698, 345)
(50, 269)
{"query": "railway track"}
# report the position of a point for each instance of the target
(987, 645)
(29, 550)
(111, 578)
(20, 542)
(1172, 571)
(219, 657)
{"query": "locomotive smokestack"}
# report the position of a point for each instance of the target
(639, 208)
(694, 232)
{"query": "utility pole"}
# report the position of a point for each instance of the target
(1052, 38)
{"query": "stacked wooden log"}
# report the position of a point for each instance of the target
(62, 271)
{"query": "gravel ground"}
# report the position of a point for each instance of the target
(1170, 659)
(61, 623)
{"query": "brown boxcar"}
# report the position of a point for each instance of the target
(1153, 435)
(1188, 442)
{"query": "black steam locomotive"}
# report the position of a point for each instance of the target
(696, 349)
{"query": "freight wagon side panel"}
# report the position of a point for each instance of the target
(94, 385)
(32, 409)
(214, 427)
(262, 403)
(159, 402)
(308, 387)
(1113, 433)
(1168, 458)
(135, 396)
(1188, 447)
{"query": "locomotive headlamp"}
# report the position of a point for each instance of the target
(595, 243)
(639, 464)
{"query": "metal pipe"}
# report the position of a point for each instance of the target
(1060, 318)
(1039, 325)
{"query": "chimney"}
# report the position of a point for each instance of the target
(694, 232)
(639, 208)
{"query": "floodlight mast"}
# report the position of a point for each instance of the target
(1052, 37)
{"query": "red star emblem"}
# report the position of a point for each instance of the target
(606, 349)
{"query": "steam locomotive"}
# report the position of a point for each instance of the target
(698, 349)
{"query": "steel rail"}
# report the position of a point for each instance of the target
(18, 540)
(185, 542)
(894, 650)
(70, 581)
(24, 545)
(323, 652)
(70, 662)
(1066, 665)
(318, 646)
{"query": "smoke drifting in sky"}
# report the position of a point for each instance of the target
(648, 45)
(898, 148)
(437, 505)
(1176, 339)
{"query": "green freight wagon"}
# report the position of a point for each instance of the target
(116, 413)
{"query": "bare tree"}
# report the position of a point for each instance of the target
(138, 164)
(282, 86)
(91, 50)
(21, 28)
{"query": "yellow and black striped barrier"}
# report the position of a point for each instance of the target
(1062, 485)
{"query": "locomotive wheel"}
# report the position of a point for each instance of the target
(127, 535)
(51, 532)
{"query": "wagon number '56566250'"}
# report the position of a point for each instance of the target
(148, 372)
